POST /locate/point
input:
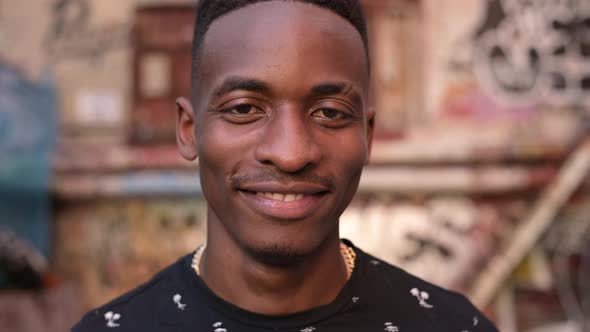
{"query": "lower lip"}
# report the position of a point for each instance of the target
(293, 210)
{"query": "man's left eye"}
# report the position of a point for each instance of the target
(329, 113)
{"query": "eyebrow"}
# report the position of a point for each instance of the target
(241, 83)
(234, 83)
(337, 88)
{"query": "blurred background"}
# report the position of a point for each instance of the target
(478, 180)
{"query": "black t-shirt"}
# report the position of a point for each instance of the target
(377, 297)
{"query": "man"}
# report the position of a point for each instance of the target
(278, 118)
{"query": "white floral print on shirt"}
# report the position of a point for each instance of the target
(218, 327)
(422, 297)
(389, 327)
(111, 317)
(176, 299)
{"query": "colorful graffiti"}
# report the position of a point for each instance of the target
(71, 34)
(530, 51)
(128, 241)
(27, 136)
(441, 238)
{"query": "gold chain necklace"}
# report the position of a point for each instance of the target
(349, 257)
(347, 253)
(197, 257)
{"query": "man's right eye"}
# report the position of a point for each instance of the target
(243, 109)
(242, 113)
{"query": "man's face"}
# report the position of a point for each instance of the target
(281, 127)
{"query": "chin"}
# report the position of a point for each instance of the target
(278, 255)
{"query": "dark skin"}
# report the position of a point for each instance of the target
(279, 121)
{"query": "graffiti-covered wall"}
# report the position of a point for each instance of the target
(525, 60)
(28, 120)
(532, 52)
(477, 174)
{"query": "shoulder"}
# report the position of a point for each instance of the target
(136, 309)
(419, 300)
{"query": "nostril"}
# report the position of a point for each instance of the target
(287, 159)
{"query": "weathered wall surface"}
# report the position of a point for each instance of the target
(480, 104)
(28, 113)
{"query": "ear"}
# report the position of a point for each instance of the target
(185, 129)
(370, 130)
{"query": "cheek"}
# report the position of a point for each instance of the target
(346, 159)
(221, 148)
(219, 155)
(349, 152)
(215, 160)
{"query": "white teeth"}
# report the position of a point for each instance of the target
(281, 197)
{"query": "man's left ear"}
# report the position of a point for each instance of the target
(370, 130)
(185, 129)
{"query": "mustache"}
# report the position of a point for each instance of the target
(271, 175)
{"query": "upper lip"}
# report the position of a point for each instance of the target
(282, 188)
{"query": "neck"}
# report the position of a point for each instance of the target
(240, 279)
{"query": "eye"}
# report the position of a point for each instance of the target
(242, 109)
(241, 113)
(330, 114)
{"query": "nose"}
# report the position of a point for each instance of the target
(287, 141)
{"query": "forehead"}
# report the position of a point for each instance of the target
(282, 39)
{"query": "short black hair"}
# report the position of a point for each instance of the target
(210, 10)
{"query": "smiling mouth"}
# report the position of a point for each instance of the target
(281, 197)
(284, 196)
(284, 205)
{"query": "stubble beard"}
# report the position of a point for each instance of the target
(277, 256)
